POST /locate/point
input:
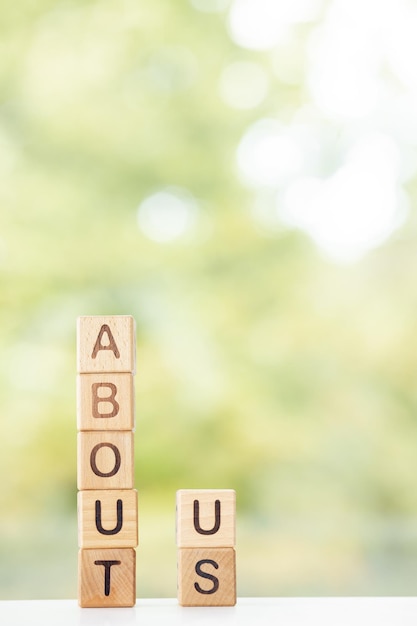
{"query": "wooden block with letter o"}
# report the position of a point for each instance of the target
(108, 518)
(106, 344)
(105, 460)
(206, 577)
(107, 577)
(206, 517)
(105, 401)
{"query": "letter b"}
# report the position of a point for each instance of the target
(105, 401)
(98, 400)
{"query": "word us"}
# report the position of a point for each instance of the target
(107, 501)
(206, 520)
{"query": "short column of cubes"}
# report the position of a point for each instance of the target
(107, 500)
(206, 539)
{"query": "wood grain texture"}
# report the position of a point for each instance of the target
(107, 577)
(105, 460)
(106, 344)
(108, 518)
(206, 517)
(206, 577)
(105, 401)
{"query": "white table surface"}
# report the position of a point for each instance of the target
(248, 611)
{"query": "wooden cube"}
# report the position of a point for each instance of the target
(206, 577)
(105, 460)
(106, 344)
(107, 577)
(206, 517)
(108, 518)
(105, 401)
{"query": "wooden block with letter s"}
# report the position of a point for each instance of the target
(206, 577)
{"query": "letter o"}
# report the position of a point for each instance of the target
(117, 460)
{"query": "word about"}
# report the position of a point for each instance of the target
(107, 501)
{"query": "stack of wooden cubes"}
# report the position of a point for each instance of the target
(107, 501)
(206, 521)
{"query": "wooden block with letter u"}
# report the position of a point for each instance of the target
(107, 501)
(108, 517)
(206, 520)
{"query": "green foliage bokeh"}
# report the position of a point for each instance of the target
(262, 366)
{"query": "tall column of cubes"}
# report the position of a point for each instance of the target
(107, 501)
(206, 539)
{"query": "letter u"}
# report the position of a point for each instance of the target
(119, 523)
(210, 531)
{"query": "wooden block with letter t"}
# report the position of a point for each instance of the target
(106, 344)
(206, 577)
(206, 517)
(107, 577)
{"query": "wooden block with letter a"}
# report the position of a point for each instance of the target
(206, 577)
(107, 577)
(106, 344)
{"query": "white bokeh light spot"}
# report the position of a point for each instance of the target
(262, 24)
(267, 155)
(354, 210)
(210, 6)
(243, 84)
(401, 44)
(167, 215)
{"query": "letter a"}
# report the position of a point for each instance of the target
(110, 346)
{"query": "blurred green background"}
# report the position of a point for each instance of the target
(240, 176)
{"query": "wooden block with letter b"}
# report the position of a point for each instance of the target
(105, 401)
(206, 577)
(106, 344)
(107, 577)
